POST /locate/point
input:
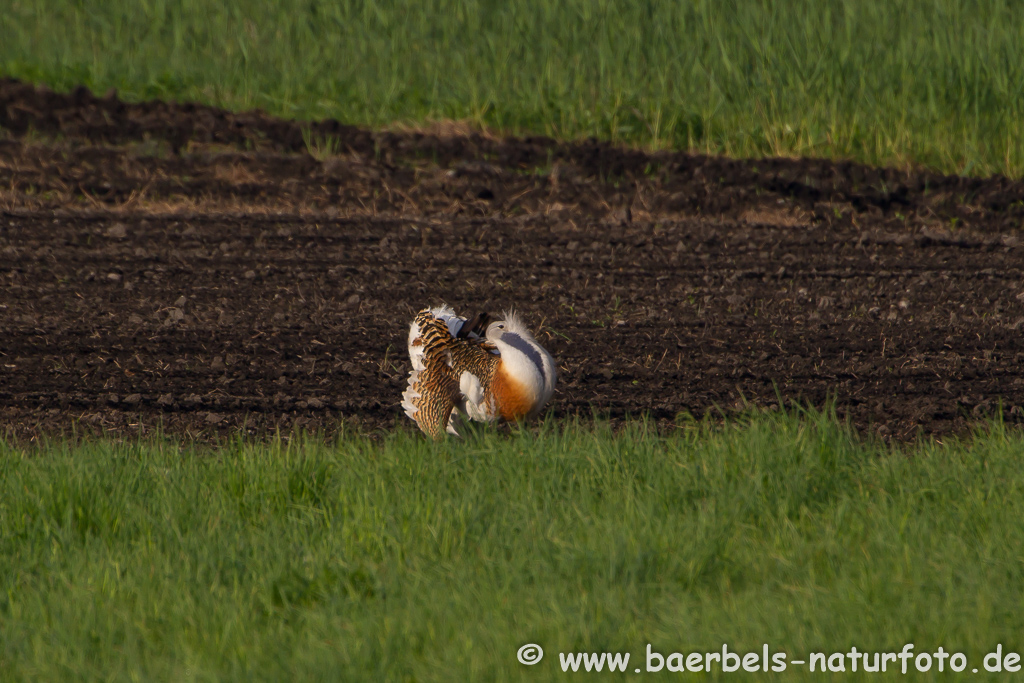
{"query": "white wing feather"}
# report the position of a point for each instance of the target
(415, 352)
(410, 395)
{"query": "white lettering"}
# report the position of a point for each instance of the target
(570, 660)
(998, 656)
(651, 655)
(906, 654)
(617, 661)
(591, 662)
(852, 654)
(727, 657)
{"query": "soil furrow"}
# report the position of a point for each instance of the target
(175, 265)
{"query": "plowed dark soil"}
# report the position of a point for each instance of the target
(177, 265)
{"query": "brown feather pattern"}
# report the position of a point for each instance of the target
(445, 358)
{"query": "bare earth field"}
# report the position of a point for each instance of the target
(185, 267)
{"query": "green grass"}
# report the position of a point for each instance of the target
(403, 560)
(934, 82)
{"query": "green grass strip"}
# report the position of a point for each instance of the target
(404, 560)
(932, 82)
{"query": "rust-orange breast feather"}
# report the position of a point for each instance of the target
(511, 397)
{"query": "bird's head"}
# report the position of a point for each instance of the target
(510, 324)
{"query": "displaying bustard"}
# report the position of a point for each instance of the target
(487, 371)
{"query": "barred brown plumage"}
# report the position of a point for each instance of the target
(487, 372)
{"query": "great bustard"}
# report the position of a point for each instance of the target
(488, 371)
